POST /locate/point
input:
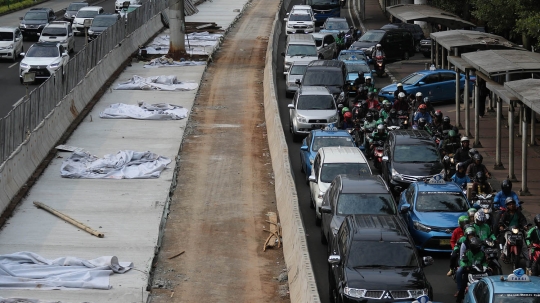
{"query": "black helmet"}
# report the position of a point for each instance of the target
(421, 122)
(537, 220)
(446, 120)
(475, 245)
(369, 117)
(469, 230)
(393, 113)
(510, 200)
(472, 152)
(480, 177)
(461, 165)
(506, 186)
(438, 115)
(478, 157)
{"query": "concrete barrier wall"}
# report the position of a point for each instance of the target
(17, 169)
(302, 284)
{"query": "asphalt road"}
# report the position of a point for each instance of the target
(443, 286)
(10, 86)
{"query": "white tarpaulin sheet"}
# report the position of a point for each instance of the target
(126, 164)
(164, 62)
(156, 83)
(196, 43)
(144, 111)
(28, 270)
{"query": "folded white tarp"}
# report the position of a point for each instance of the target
(156, 83)
(201, 43)
(144, 111)
(29, 270)
(126, 164)
(164, 62)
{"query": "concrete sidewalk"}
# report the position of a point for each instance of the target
(128, 212)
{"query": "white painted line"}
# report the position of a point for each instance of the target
(18, 102)
(12, 65)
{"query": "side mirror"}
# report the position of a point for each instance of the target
(325, 209)
(334, 259)
(304, 147)
(285, 19)
(70, 35)
(283, 54)
(64, 54)
(291, 106)
(312, 179)
(428, 260)
(298, 82)
(39, 34)
(421, 83)
(404, 208)
(385, 158)
(22, 54)
(17, 39)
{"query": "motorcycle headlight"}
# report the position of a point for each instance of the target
(90, 32)
(396, 176)
(415, 293)
(421, 227)
(515, 230)
(334, 119)
(24, 65)
(301, 119)
(354, 292)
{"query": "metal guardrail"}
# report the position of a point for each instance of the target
(28, 114)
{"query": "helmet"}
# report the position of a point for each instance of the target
(381, 128)
(472, 211)
(536, 220)
(479, 217)
(506, 186)
(475, 244)
(422, 106)
(464, 138)
(378, 45)
(452, 133)
(446, 119)
(419, 94)
(461, 165)
(344, 110)
(426, 100)
(386, 102)
(472, 152)
(478, 157)
(469, 231)
(438, 114)
(401, 95)
(399, 85)
(347, 115)
(369, 117)
(480, 177)
(421, 122)
(510, 200)
(393, 113)
(462, 220)
(368, 77)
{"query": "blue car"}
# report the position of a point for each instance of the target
(439, 85)
(515, 288)
(355, 66)
(431, 210)
(321, 138)
(347, 54)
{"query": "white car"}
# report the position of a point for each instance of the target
(11, 43)
(299, 22)
(326, 45)
(85, 13)
(124, 12)
(296, 72)
(61, 32)
(43, 59)
(120, 3)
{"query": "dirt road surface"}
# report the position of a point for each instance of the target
(225, 186)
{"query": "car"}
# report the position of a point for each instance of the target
(85, 13)
(353, 195)
(72, 10)
(330, 162)
(43, 59)
(409, 155)
(303, 8)
(35, 20)
(514, 288)
(118, 4)
(425, 47)
(312, 107)
(299, 48)
(415, 29)
(11, 43)
(397, 43)
(326, 45)
(331, 74)
(373, 259)
(431, 209)
(349, 54)
(335, 26)
(299, 22)
(61, 32)
(295, 74)
(327, 137)
(439, 85)
(100, 23)
(355, 66)
(125, 11)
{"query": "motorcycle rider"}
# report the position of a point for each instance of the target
(477, 166)
(512, 217)
(385, 111)
(506, 191)
(399, 90)
(460, 177)
(421, 125)
(533, 237)
(429, 107)
(392, 119)
(471, 212)
(360, 110)
(372, 102)
(482, 229)
(422, 113)
(472, 256)
(462, 154)
(340, 41)
(437, 119)
(347, 120)
(457, 234)
(379, 52)
(418, 99)
(369, 122)
(380, 134)
(369, 86)
(480, 185)
(451, 143)
(446, 125)
(400, 103)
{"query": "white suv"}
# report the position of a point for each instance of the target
(118, 4)
(61, 32)
(299, 22)
(84, 13)
(43, 59)
(11, 43)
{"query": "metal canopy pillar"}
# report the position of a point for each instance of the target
(524, 191)
(477, 143)
(432, 51)
(443, 59)
(511, 135)
(533, 125)
(498, 162)
(466, 103)
(458, 97)
(437, 55)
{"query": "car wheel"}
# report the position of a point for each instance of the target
(20, 80)
(324, 241)
(22, 51)
(461, 96)
(332, 292)
(290, 127)
(307, 179)
(317, 219)
(406, 55)
(417, 47)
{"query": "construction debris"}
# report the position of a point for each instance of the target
(275, 231)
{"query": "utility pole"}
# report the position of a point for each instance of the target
(177, 46)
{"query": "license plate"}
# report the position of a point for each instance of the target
(315, 126)
(444, 242)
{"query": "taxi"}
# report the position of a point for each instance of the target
(431, 209)
(514, 288)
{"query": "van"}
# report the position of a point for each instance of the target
(299, 48)
(397, 43)
(11, 43)
(299, 22)
(59, 31)
(330, 162)
(415, 29)
(331, 74)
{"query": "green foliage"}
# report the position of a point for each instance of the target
(11, 6)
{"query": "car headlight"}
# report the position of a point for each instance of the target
(301, 119)
(41, 25)
(320, 195)
(9, 46)
(22, 25)
(90, 32)
(354, 292)
(54, 65)
(334, 119)
(421, 227)
(24, 65)
(289, 26)
(310, 26)
(415, 293)
(396, 176)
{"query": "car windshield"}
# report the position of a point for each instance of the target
(323, 78)
(103, 22)
(366, 204)
(381, 254)
(132, 8)
(76, 6)
(316, 102)
(35, 16)
(321, 2)
(339, 25)
(419, 153)
(301, 50)
(54, 31)
(441, 202)
(325, 141)
(517, 298)
(87, 14)
(297, 69)
(355, 68)
(330, 170)
(299, 17)
(43, 51)
(6, 36)
(412, 79)
(371, 37)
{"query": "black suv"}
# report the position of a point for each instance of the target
(353, 195)
(397, 43)
(331, 74)
(409, 155)
(415, 29)
(100, 23)
(35, 20)
(373, 259)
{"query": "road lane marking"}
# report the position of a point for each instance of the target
(12, 65)
(18, 102)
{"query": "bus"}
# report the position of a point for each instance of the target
(324, 9)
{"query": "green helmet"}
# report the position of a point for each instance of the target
(452, 133)
(344, 110)
(462, 220)
(386, 102)
(470, 231)
(471, 211)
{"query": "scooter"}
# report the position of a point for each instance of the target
(476, 273)
(514, 243)
(378, 151)
(535, 259)
(492, 257)
(485, 202)
(379, 66)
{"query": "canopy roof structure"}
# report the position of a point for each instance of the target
(502, 61)
(421, 12)
(527, 91)
(472, 39)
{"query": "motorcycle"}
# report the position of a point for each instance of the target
(378, 151)
(492, 257)
(403, 121)
(485, 202)
(514, 243)
(476, 273)
(379, 66)
(535, 258)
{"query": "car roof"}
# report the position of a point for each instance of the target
(336, 19)
(300, 63)
(314, 90)
(330, 133)
(345, 51)
(356, 61)
(342, 154)
(91, 8)
(448, 187)
(320, 35)
(41, 9)
(501, 287)
(411, 136)
(300, 6)
(351, 184)
(377, 228)
(58, 24)
(325, 63)
(46, 44)
(107, 15)
(8, 29)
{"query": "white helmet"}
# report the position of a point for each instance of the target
(368, 77)
(378, 45)
(419, 94)
(399, 84)
(464, 138)
(401, 95)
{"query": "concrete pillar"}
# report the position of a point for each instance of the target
(443, 59)
(498, 163)
(466, 103)
(437, 55)
(476, 143)
(520, 120)
(511, 135)
(524, 191)
(533, 125)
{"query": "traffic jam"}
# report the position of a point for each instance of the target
(391, 179)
